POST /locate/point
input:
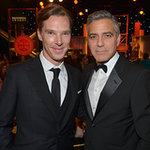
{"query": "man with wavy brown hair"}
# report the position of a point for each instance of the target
(45, 121)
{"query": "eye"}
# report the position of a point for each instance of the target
(93, 36)
(108, 35)
(66, 33)
(50, 32)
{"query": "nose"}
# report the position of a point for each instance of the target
(100, 41)
(59, 40)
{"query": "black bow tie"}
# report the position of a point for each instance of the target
(102, 66)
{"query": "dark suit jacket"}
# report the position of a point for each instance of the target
(122, 119)
(40, 124)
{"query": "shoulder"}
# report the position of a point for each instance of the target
(130, 68)
(21, 66)
(72, 69)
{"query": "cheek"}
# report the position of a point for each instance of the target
(45, 42)
(50, 39)
(91, 45)
(111, 45)
(67, 40)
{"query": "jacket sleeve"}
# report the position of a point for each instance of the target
(7, 111)
(140, 105)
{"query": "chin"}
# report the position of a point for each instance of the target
(60, 59)
(101, 60)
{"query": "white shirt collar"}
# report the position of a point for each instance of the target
(111, 63)
(48, 65)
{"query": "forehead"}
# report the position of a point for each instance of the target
(57, 22)
(101, 25)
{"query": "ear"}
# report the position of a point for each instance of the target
(39, 35)
(118, 39)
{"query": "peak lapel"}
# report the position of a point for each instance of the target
(88, 105)
(88, 77)
(111, 86)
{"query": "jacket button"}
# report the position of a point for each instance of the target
(93, 125)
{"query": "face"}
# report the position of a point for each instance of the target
(102, 40)
(55, 36)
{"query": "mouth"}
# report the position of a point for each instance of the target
(58, 49)
(100, 51)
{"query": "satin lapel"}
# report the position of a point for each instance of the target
(111, 86)
(88, 105)
(88, 77)
(73, 89)
(38, 80)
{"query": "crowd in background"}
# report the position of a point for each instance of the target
(79, 60)
(76, 59)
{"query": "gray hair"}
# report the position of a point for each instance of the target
(103, 14)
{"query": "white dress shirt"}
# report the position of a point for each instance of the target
(98, 82)
(63, 77)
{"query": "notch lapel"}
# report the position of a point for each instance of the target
(37, 77)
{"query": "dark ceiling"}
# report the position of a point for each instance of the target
(122, 6)
(116, 7)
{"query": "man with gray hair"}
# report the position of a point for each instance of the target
(116, 92)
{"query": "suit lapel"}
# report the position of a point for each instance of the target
(38, 80)
(88, 76)
(111, 86)
(88, 105)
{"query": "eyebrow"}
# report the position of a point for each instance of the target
(92, 34)
(102, 33)
(51, 30)
(108, 33)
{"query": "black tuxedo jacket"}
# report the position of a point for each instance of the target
(122, 119)
(40, 124)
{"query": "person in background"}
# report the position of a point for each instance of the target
(44, 122)
(76, 59)
(84, 61)
(3, 72)
(145, 61)
(134, 57)
(116, 92)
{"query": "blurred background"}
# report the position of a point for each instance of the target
(18, 17)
